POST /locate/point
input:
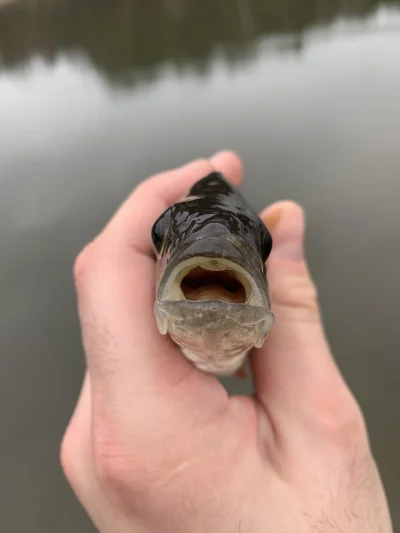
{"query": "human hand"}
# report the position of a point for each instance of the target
(157, 446)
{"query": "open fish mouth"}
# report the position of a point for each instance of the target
(213, 295)
(202, 283)
(205, 278)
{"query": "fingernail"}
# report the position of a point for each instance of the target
(288, 234)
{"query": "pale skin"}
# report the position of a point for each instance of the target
(157, 446)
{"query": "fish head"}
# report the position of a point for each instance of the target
(212, 292)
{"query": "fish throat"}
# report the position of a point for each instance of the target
(201, 284)
(200, 279)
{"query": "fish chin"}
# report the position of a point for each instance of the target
(221, 367)
(215, 311)
(215, 335)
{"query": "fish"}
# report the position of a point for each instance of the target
(212, 293)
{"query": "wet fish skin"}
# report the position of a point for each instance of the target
(214, 230)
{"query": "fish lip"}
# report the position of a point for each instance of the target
(215, 307)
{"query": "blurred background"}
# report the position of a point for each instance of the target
(96, 95)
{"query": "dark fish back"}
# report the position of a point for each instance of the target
(211, 202)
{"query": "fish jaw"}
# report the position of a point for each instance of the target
(215, 336)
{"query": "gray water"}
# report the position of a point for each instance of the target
(97, 95)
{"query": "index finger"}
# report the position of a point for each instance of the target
(115, 278)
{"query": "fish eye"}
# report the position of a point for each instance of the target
(266, 243)
(160, 229)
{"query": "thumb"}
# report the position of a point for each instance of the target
(294, 293)
(295, 366)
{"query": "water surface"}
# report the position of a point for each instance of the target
(95, 99)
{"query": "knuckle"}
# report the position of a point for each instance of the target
(84, 263)
(113, 469)
(110, 457)
(304, 294)
(203, 162)
(143, 187)
(122, 466)
(342, 423)
(67, 457)
(300, 295)
(107, 471)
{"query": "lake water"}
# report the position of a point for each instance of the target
(97, 95)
